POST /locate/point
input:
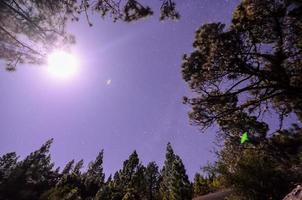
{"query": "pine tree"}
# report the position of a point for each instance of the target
(68, 167)
(94, 177)
(106, 191)
(70, 185)
(117, 186)
(8, 163)
(166, 173)
(181, 187)
(152, 177)
(257, 57)
(130, 195)
(175, 184)
(65, 192)
(200, 185)
(32, 176)
(132, 177)
(78, 166)
(35, 179)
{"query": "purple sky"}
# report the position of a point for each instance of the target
(142, 107)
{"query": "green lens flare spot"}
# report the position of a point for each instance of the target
(244, 138)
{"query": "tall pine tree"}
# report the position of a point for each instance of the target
(94, 178)
(175, 183)
(152, 177)
(132, 177)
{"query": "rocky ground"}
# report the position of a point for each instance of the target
(296, 194)
(220, 195)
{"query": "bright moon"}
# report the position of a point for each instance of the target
(62, 64)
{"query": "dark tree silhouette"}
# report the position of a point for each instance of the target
(254, 66)
(152, 177)
(29, 178)
(94, 177)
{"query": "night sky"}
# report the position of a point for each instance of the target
(126, 96)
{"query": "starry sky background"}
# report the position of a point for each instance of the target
(127, 95)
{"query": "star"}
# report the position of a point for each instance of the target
(244, 138)
(108, 82)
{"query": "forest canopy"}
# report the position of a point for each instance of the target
(35, 178)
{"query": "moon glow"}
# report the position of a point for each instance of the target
(62, 64)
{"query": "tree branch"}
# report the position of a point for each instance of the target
(19, 42)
